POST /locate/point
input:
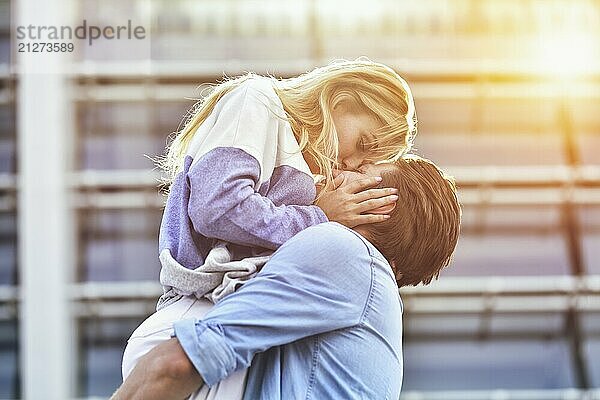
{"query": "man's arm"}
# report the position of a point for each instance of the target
(317, 282)
(164, 373)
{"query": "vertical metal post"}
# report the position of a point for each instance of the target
(44, 222)
(574, 239)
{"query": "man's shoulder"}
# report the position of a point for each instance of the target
(338, 241)
(326, 250)
(330, 237)
(331, 229)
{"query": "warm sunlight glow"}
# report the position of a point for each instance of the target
(568, 54)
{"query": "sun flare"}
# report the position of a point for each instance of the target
(568, 55)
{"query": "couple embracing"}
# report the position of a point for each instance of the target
(294, 213)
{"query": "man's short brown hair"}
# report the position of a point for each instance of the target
(422, 232)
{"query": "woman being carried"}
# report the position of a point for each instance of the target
(242, 183)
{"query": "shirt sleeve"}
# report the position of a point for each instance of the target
(317, 282)
(225, 205)
(234, 151)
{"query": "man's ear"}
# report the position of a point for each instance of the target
(397, 273)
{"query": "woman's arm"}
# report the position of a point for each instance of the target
(223, 202)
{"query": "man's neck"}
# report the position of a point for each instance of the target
(363, 231)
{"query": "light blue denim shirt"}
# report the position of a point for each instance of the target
(322, 320)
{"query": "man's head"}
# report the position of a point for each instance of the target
(421, 234)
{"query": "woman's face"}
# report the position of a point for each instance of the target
(354, 129)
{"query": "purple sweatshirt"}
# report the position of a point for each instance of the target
(244, 181)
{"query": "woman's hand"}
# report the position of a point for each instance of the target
(355, 202)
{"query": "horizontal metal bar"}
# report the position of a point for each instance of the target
(464, 175)
(123, 200)
(464, 295)
(158, 91)
(501, 304)
(8, 202)
(550, 185)
(8, 293)
(410, 67)
(448, 286)
(8, 182)
(528, 196)
(493, 394)
(114, 309)
(148, 199)
(504, 394)
(115, 290)
(114, 178)
(7, 96)
(415, 69)
(457, 306)
(478, 90)
(498, 285)
(524, 175)
(443, 288)
(144, 199)
(468, 197)
(457, 295)
(6, 71)
(140, 92)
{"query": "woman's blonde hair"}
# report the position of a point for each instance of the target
(308, 101)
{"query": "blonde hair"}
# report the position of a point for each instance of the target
(308, 101)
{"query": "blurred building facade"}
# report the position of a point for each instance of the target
(515, 316)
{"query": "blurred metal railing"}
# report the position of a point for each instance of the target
(498, 394)
(165, 91)
(487, 185)
(504, 394)
(450, 295)
(424, 70)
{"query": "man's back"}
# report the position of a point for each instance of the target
(324, 312)
(348, 285)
